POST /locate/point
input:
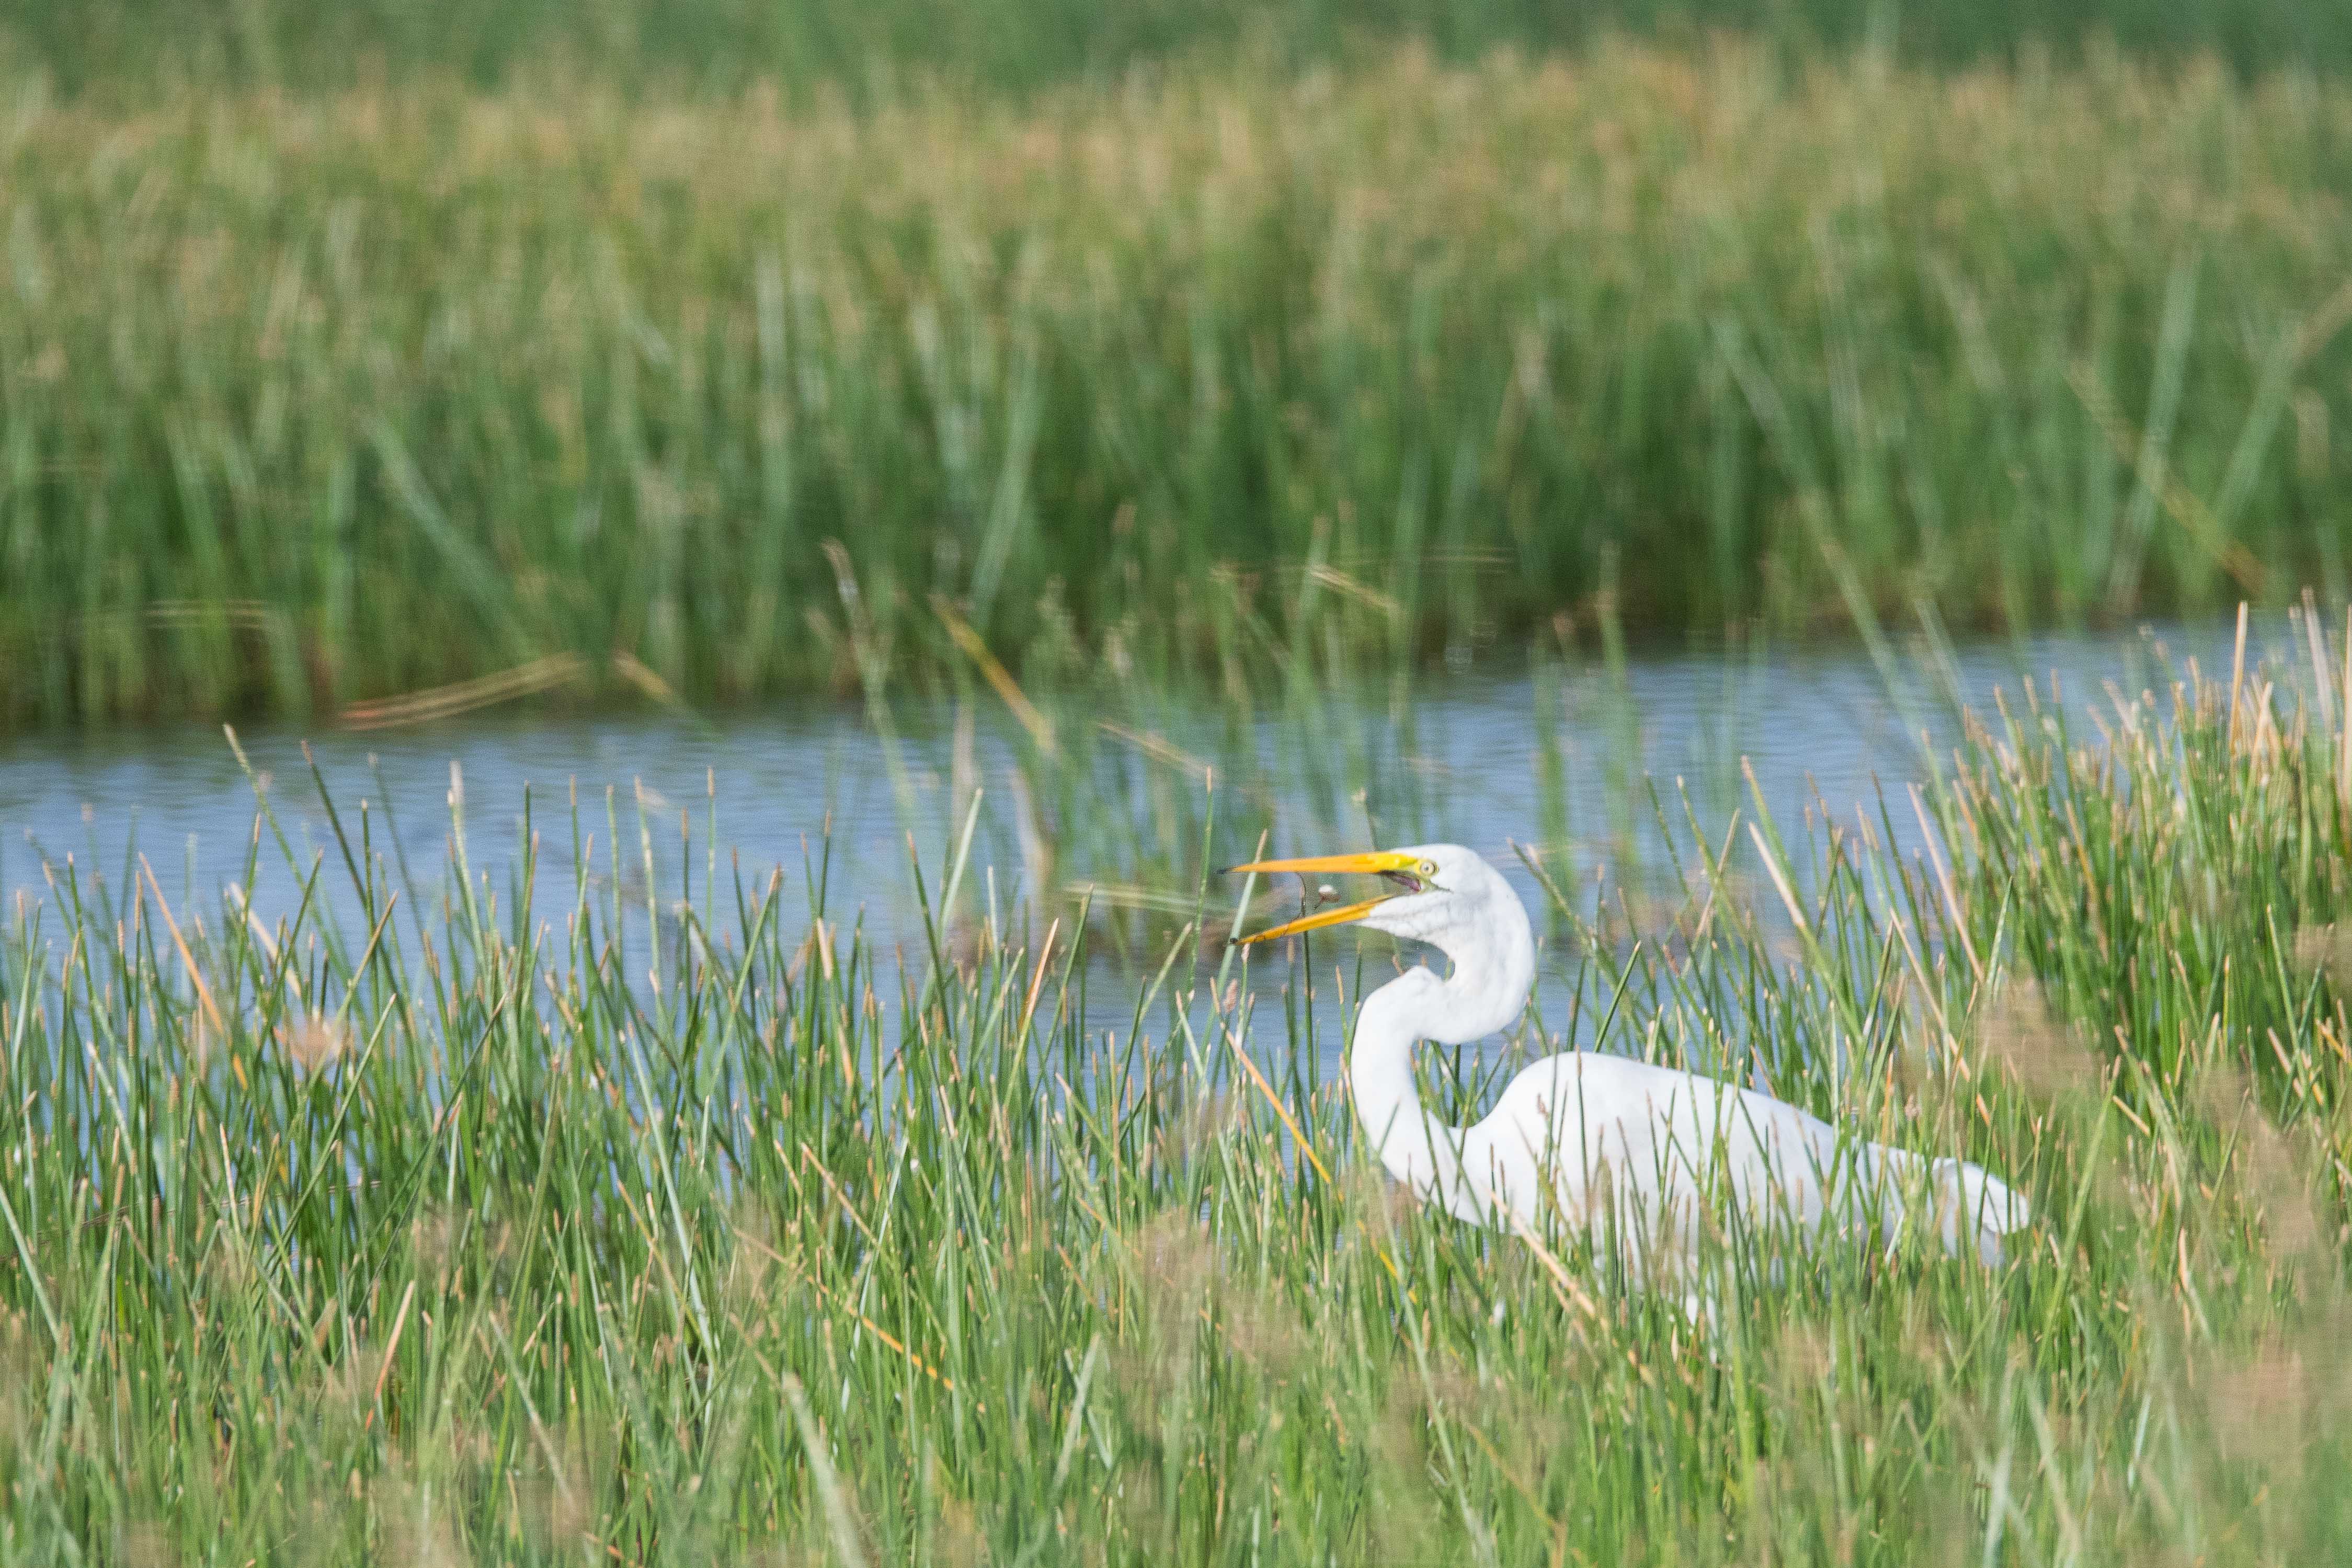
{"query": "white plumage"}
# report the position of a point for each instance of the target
(1644, 1152)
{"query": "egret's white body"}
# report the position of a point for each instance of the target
(1643, 1152)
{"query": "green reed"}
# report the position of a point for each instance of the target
(481, 1233)
(308, 401)
(122, 47)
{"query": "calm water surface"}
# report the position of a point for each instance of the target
(1464, 760)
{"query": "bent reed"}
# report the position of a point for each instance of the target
(486, 1232)
(309, 401)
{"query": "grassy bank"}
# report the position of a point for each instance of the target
(464, 1238)
(303, 403)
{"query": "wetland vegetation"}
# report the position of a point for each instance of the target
(1160, 394)
(473, 1233)
(314, 400)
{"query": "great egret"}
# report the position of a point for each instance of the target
(1605, 1139)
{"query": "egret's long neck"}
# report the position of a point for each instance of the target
(1422, 1152)
(1448, 1165)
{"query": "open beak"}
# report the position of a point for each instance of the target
(1380, 863)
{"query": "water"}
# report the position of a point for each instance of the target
(1457, 758)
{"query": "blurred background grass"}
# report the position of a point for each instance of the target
(724, 44)
(329, 373)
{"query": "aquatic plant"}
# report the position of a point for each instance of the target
(491, 1231)
(126, 47)
(413, 392)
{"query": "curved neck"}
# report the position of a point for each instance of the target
(1443, 1165)
(1420, 1151)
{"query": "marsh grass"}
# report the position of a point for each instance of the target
(309, 401)
(125, 47)
(475, 1235)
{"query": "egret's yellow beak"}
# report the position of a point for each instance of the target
(1379, 863)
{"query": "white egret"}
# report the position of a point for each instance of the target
(1604, 1139)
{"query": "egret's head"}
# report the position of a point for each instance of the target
(1435, 891)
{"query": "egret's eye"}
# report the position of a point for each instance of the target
(1428, 868)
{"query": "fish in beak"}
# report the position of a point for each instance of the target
(1410, 872)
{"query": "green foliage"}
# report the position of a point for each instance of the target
(122, 46)
(491, 1233)
(309, 401)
